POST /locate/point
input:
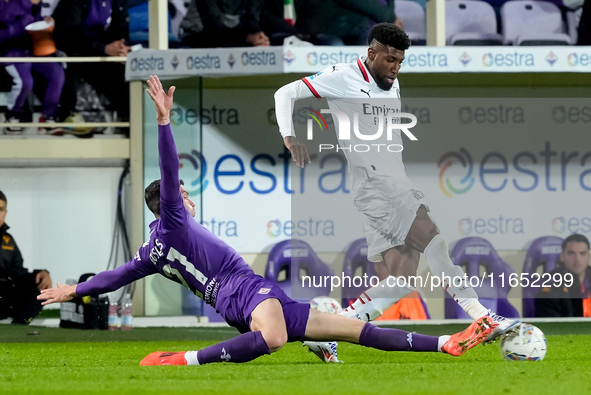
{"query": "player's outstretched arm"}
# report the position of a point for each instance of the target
(172, 210)
(62, 293)
(107, 281)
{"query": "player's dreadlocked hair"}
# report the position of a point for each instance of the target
(152, 197)
(389, 34)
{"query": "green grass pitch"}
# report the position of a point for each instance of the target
(68, 361)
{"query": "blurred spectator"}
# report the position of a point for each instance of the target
(223, 23)
(48, 6)
(93, 28)
(348, 21)
(573, 301)
(572, 11)
(15, 41)
(139, 22)
(273, 23)
(18, 287)
(177, 10)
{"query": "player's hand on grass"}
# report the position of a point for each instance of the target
(162, 100)
(63, 293)
(298, 150)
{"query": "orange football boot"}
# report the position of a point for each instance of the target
(475, 334)
(164, 358)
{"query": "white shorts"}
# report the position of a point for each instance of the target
(389, 206)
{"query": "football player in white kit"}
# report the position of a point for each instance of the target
(397, 222)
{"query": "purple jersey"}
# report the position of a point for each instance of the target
(179, 248)
(14, 16)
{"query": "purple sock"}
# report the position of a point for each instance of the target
(396, 340)
(243, 348)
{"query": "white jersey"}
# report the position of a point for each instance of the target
(383, 194)
(350, 88)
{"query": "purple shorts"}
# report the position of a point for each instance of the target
(240, 295)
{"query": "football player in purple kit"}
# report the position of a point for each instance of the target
(185, 252)
(397, 222)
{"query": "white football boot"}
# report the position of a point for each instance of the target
(505, 325)
(326, 351)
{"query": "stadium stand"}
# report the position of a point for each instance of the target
(471, 23)
(544, 23)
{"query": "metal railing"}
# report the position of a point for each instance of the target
(65, 59)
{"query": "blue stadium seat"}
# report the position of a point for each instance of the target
(289, 261)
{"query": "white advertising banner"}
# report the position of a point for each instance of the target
(507, 170)
(419, 59)
(181, 63)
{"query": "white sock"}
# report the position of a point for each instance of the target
(442, 341)
(473, 307)
(191, 357)
(372, 303)
(442, 267)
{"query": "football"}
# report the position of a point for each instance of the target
(527, 343)
(326, 304)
